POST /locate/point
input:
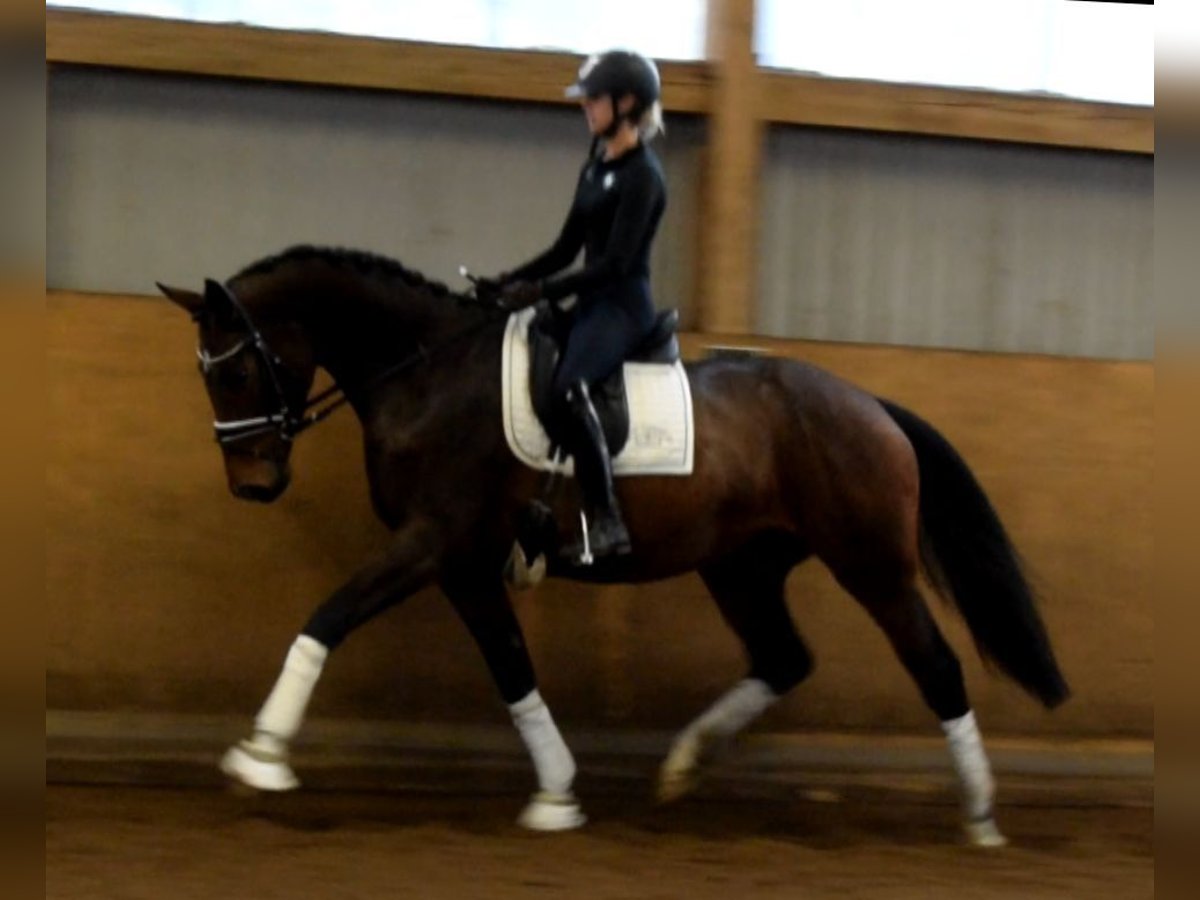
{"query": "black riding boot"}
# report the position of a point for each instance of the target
(607, 534)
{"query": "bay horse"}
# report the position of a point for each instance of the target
(790, 463)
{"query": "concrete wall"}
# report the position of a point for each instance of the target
(166, 595)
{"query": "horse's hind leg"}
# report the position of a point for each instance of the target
(748, 586)
(900, 610)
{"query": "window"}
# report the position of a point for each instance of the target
(667, 29)
(1088, 50)
(1075, 48)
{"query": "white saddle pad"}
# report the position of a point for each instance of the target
(661, 428)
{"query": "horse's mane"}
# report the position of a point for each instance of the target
(362, 261)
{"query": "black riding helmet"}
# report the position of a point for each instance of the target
(617, 73)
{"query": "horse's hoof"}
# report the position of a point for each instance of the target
(674, 786)
(679, 774)
(984, 833)
(253, 768)
(551, 812)
(522, 574)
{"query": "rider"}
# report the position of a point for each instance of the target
(619, 200)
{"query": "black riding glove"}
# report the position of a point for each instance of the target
(489, 288)
(520, 294)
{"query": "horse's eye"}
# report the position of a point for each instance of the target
(234, 377)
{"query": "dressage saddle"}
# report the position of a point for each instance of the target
(547, 336)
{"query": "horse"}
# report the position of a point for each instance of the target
(790, 463)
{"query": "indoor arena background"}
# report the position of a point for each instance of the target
(989, 266)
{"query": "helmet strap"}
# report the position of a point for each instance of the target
(615, 125)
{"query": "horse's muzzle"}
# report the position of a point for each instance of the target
(259, 473)
(261, 493)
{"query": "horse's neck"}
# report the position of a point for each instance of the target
(363, 330)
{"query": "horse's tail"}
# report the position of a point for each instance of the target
(969, 558)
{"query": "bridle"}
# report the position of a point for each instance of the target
(288, 420)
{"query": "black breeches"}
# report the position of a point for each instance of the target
(608, 327)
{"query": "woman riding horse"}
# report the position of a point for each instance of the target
(619, 200)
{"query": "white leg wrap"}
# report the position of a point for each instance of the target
(735, 709)
(280, 717)
(553, 807)
(971, 765)
(262, 761)
(551, 759)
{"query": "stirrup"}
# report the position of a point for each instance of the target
(581, 552)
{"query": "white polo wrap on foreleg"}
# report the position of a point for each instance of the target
(551, 759)
(280, 717)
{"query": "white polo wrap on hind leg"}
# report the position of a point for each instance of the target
(551, 759)
(280, 717)
(734, 710)
(730, 714)
(971, 765)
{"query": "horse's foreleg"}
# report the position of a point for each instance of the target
(553, 807)
(261, 761)
(484, 607)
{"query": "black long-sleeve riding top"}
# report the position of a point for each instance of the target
(617, 208)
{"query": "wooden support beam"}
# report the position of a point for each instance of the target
(727, 261)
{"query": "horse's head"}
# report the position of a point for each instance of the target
(257, 367)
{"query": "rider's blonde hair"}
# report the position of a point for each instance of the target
(650, 125)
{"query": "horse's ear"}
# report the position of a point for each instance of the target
(190, 301)
(216, 295)
(219, 301)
